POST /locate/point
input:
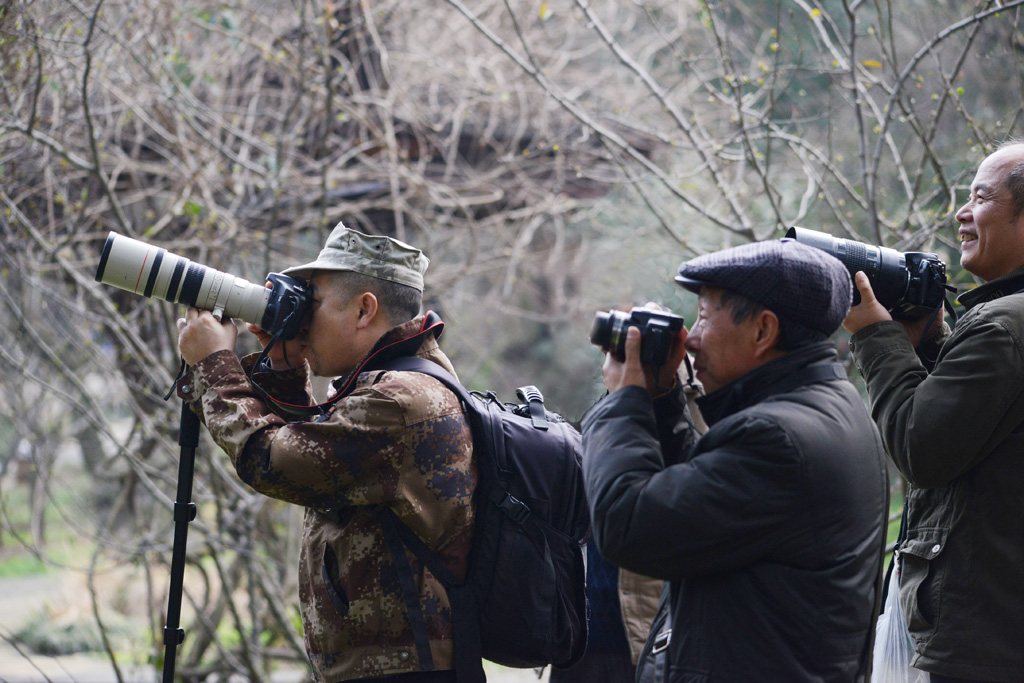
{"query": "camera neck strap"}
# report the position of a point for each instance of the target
(262, 365)
(948, 305)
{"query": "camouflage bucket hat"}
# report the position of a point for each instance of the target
(374, 255)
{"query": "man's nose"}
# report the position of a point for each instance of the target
(963, 214)
(692, 342)
(305, 325)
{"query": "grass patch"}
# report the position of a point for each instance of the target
(46, 638)
(20, 563)
(63, 542)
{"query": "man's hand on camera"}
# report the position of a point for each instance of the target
(919, 330)
(868, 311)
(285, 354)
(200, 334)
(619, 374)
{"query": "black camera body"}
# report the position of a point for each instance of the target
(926, 286)
(657, 332)
(910, 285)
(290, 298)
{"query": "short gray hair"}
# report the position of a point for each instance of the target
(1015, 178)
(398, 303)
(792, 335)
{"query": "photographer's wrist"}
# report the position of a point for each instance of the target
(665, 390)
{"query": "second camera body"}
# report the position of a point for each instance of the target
(657, 332)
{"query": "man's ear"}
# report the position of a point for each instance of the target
(766, 333)
(368, 310)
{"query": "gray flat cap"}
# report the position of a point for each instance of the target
(374, 255)
(796, 282)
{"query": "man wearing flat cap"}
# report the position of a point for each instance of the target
(769, 527)
(386, 439)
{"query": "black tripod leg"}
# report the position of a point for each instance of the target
(184, 512)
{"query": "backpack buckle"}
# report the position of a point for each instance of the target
(534, 400)
(517, 510)
(661, 641)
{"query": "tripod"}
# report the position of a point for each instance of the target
(184, 512)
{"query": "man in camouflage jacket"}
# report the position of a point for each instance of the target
(395, 439)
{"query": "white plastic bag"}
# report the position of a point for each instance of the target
(893, 646)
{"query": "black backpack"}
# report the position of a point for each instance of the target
(523, 603)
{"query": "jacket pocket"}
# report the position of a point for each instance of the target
(921, 576)
(329, 573)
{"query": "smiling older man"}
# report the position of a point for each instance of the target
(951, 414)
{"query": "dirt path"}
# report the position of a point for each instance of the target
(22, 599)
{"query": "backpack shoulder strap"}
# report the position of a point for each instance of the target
(464, 605)
(483, 423)
(399, 537)
(487, 435)
(391, 527)
(417, 364)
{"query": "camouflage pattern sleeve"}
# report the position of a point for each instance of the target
(356, 455)
(288, 386)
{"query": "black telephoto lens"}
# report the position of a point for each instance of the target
(886, 268)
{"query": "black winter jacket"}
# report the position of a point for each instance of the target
(770, 527)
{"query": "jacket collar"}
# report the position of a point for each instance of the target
(417, 337)
(774, 377)
(1011, 283)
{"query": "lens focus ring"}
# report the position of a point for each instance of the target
(193, 281)
(856, 256)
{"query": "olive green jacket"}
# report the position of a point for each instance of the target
(955, 428)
